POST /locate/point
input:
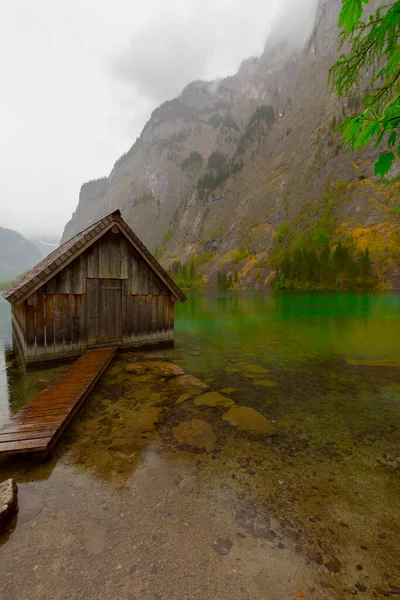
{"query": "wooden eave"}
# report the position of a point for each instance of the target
(59, 259)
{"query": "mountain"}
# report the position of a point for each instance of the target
(44, 244)
(17, 254)
(231, 171)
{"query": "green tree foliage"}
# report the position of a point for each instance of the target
(230, 123)
(372, 67)
(185, 275)
(224, 281)
(194, 159)
(255, 131)
(216, 161)
(283, 232)
(215, 120)
(219, 169)
(313, 263)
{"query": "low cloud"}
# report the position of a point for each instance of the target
(207, 40)
(294, 23)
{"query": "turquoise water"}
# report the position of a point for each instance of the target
(323, 368)
(304, 339)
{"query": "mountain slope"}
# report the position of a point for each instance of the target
(17, 254)
(216, 172)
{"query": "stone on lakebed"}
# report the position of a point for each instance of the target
(213, 399)
(249, 419)
(195, 433)
(159, 368)
(8, 502)
(189, 384)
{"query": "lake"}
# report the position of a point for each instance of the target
(122, 506)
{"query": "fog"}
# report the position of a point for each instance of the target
(80, 79)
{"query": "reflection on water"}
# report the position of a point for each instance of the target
(17, 385)
(5, 343)
(286, 415)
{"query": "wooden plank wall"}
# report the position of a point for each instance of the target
(146, 319)
(112, 257)
(55, 327)
(54, 319)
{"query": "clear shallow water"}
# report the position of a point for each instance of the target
(325, 368)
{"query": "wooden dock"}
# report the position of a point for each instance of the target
(38, 426)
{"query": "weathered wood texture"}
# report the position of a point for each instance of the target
(38, 426)
(104, 318)
(111, 257)
(106, 296)
(146, 320)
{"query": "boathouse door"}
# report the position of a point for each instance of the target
(104, 312)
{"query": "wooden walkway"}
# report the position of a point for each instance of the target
(38, 426)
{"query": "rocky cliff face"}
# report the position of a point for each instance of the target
(216, 171)
(17, 254)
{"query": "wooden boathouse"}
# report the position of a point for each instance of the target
(102, 288)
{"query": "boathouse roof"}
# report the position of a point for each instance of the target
(71, 249)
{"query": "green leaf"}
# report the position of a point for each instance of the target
(350, 14)
(384, 163)
(392, 139)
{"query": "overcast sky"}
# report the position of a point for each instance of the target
(79, 79)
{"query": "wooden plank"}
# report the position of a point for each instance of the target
(134, 274)
(12, 427)
(171, 317)
(160, 301)
(64, 278)
(58, 324)
(78, 321)
(49, 323)
(30, 329)
(135, 315)
(124, 253)
(165, 316)
(79, 274)
(154, 312)
(40, 320)
(67, 322)
(93, 261)
(124, 323)
(92, 309)
(37, 426)
(51, 286)
(141, 315)
(28, 435)
(36, 445)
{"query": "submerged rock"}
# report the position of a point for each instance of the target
(93, 537)
(249, 419)
(31, 503)
(159, 368)
(265, 383)
(253, 369)
(195, 433)
(163, 368)
(229, 390)
(126, 446)
(136, 368)
(189, 384)
(377, 362)
(183, 398)
(223, 546)
(213, 399)
(8, 502)
(142, 420)
(114, 370)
